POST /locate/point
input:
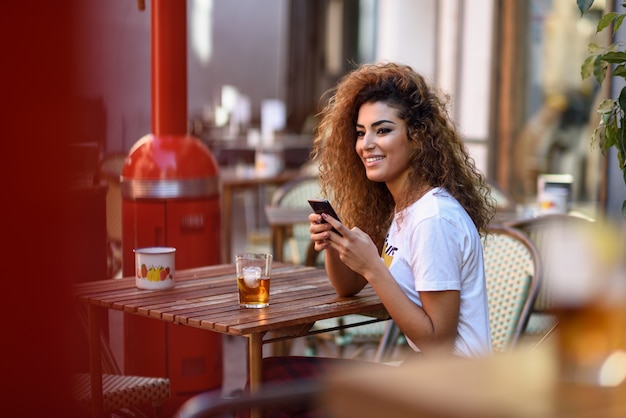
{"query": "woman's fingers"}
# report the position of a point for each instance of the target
(339, 227)
(319, 232)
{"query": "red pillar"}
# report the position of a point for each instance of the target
(169, 67)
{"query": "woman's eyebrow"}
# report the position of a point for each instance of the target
(375, 124)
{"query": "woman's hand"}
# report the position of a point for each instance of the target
(319, 232)
(354, 247)
(345, 280)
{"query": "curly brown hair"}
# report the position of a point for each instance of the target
(439, 157)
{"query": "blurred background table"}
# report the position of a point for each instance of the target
(281, 220)
(233, 180)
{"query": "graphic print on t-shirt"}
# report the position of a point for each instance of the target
(388, 252)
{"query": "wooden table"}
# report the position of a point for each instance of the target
(523, 384)
(207, 298)
(232, 181)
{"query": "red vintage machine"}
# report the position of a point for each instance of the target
(170, 197)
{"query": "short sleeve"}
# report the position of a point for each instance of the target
(436, 255)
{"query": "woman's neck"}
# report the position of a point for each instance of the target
(404, 200)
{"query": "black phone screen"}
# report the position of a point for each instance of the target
(323, 206)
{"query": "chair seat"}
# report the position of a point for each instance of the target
(120, 391)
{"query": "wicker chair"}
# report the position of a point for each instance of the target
(513, 272)
(294, 194)
(538, 230)
(122, 395)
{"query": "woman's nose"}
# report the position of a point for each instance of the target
(368, 141)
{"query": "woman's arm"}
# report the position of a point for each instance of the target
(345, 281)
(433, 326)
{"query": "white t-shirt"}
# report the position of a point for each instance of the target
(433, 245)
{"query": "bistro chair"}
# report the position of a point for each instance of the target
(538, 230)
(513, 271)
(110, 171)
(122, 395)
(295, 242)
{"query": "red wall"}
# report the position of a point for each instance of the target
(36, 78)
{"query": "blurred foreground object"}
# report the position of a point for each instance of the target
(590, 301)
(520, 384)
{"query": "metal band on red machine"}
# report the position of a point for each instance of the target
(169, 189)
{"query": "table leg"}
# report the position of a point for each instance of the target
(93, 320)
(278, 241)
(255, 364)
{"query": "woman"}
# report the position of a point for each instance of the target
(396, 169)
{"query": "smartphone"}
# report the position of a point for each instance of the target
(323, 206)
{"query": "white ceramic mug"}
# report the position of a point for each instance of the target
(155, 268)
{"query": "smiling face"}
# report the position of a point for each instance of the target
(383, 145)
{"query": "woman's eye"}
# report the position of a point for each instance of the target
(382, 131)
(359, 134)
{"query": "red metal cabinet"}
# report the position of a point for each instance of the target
(170, 197)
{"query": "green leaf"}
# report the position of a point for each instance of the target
(587, 68)
(597, 134)
(618, 22)
(621, 150)
(593, 48)
(624, 203)
(612, 132)
(622, 99)
(620, 71)
(584, 5)
(606, 20)
(599, 138)
(605, 106)
(614, 57)
(599, 68)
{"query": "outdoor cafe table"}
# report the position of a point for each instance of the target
(232, 181)
(206, 298)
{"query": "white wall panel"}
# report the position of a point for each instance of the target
(407, 34)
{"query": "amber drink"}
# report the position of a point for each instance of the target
(253, 279)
